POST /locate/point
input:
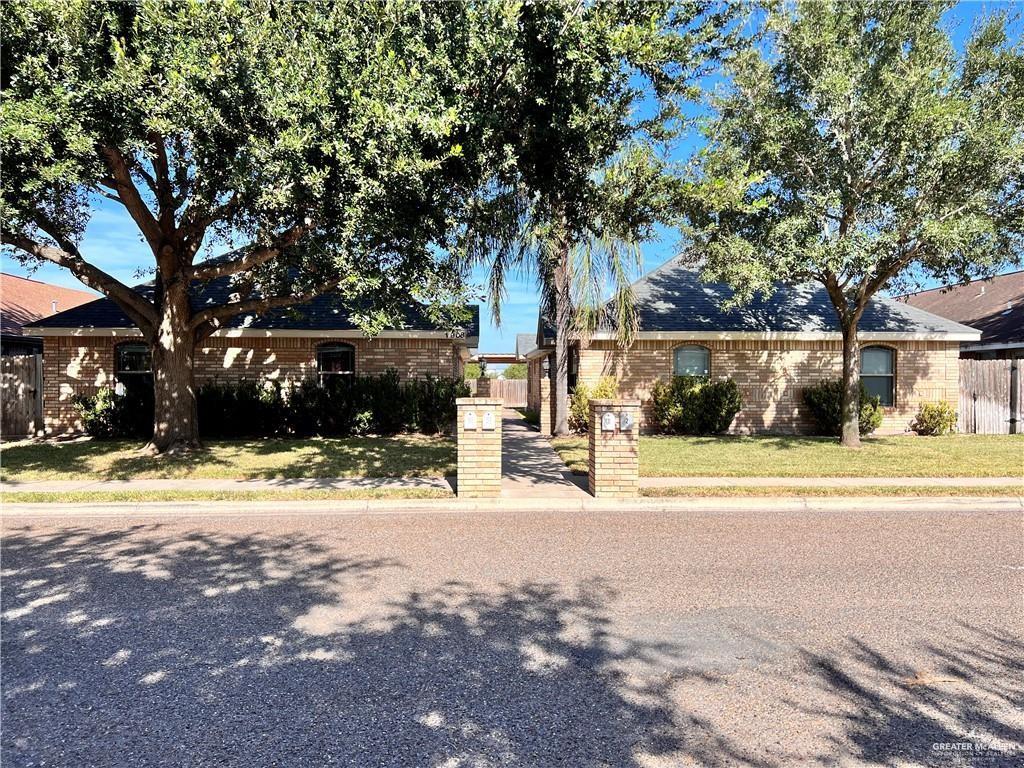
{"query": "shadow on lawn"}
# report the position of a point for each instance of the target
(137, 648)
(371, 456)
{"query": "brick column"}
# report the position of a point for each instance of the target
(483, 387)
(479, 447)
(614, 452)
(546, 406)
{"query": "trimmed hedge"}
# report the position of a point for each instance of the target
(693, 405)
(382, 405)
(825, 402)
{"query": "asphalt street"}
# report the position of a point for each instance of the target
(648, 638)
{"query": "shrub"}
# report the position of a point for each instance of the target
(825, 402)
(382, 405)
(693, 405)
(579, 403)
(934, 419)
(108, 414)
(243, 409)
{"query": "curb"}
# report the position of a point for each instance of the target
(907, 503)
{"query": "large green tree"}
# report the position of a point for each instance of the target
(854, 146)
(591, 97)
(325, 145)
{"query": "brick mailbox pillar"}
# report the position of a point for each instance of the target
(614, 449)
(479, 447)
(483, 387)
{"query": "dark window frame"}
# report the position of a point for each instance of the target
(891, 376)
(680, 347)
(334, 346)
(123, 348)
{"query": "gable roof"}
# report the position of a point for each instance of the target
(525, 344)
(23, 300)
(328, 312)
(673, 300)
(994, 306)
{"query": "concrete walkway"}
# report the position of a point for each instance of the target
(530, 468)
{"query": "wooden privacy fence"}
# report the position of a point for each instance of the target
(991, 393)
(21, 395)
(512, 391)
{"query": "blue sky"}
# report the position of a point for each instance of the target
(113, 243)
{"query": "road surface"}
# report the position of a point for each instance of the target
(607, 638)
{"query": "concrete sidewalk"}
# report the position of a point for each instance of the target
(528, 472)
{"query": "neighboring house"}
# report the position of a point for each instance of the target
(773, 348)
(995, 307)
(23, 300)
(96, 345)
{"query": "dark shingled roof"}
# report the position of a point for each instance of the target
(328, 312)
(995, 307)
(673, 298)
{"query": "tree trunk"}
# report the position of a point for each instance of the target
(563, 325)
(851, 387)
(175, 421)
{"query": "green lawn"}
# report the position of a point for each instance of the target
(403, 455)
(951, 456)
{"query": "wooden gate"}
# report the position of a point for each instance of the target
(21, 395)
(991, 392)
(512, 391)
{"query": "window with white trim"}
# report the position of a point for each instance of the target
(335, 360)
(878, 373)
(691, 360)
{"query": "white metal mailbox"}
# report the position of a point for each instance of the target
(608, 422)
(625, 421)
(488, 419)
(470, 420)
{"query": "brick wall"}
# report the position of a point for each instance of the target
(76, 364)
(613, 455)
(479, 447)
(773, 374)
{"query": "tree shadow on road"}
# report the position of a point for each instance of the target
(958, 701)
(145, 647)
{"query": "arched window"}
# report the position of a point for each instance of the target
(878, 373)
(691, 360)
(132, 359)
(335, 360)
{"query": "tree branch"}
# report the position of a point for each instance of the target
(131, 198)
(141, 311)
(252, 258)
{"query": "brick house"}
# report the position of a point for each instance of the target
(773, 348)
(96, 345)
